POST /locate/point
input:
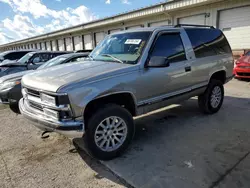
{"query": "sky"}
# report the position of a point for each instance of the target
(21, 19)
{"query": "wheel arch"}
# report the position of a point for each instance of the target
(125, 99)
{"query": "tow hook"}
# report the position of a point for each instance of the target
(45, 135)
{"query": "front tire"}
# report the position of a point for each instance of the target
(211, 100)
(110, 131)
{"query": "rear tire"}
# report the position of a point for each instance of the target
(110, 131)
(211, 100)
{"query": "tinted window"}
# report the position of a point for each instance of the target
(170, 46)
(45, 57)
(208, 42)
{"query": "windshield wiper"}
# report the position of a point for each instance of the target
(115, 58)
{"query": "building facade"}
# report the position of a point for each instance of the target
(231, 16)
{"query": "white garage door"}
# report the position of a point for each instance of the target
(197, 19)
(161, 23)
(134, 27)
(43, 46)
(235, 24)
(54, 48)
(69, 45)
(61, 44)
(99, 37)
(48, 46)
(78, 42)
(88, 42)
(114, 31)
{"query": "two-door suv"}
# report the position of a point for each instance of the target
(128, 74)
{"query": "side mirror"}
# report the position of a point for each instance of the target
(158, 61)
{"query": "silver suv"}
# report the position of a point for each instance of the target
(128, 74)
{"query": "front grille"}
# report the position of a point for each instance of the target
(36, 106)
(243, 73)
(33, 92)
(244, 67)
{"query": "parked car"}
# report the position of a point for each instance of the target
(13, 55)
(129, 73)
(242, 66)
(10, 85)
(30, 61)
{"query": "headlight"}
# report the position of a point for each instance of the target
(48, 99)
(9, 84)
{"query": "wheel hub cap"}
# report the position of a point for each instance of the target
(111, 133)
(216, 97)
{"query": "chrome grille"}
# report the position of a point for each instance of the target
(33, 92)
(36, 106)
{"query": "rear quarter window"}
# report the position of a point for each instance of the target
(208, 42)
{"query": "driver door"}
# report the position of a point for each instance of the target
(173, 79)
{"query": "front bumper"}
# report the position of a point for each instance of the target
(70, 128)
(242, 72)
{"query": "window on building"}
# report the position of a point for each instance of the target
(170, 46)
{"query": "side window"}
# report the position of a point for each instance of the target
(208, 42)
(36, 58)
(44, 57)
(170, 46)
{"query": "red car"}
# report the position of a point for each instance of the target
(242, 66)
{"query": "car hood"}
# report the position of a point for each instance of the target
(53, 78)
(244, 59)
(15, 76)
(9, 63)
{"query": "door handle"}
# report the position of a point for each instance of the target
(188, 68)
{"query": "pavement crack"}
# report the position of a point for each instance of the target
(7, 171)
(228, 171)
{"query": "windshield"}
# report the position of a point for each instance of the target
(121, 48)
(25, 58)
(247, 54)
(55, 61)
(3, 54)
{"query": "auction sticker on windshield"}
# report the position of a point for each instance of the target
(133, 41)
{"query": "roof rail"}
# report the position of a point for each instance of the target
(192, 25)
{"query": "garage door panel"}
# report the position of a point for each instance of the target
(54, 48)
(99, 37)
(134, 27)
(161, 23)
(88, 42)
(114, 31)
(61, 44)
(235, 23)
(48, 46)
(78, 42)
(43, 46)
(197, 19)
(69, 46)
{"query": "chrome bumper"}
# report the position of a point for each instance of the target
(68, 128)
